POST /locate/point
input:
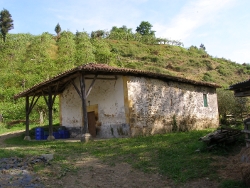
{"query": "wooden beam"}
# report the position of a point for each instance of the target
(46, 100)
(101, 78)
(33, 103)
(91, 85)
(76, 88)
(241, 94)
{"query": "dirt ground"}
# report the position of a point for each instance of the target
(92, 172)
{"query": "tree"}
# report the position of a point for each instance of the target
(99, 34)
(6, 23)
(102, 51)
(66, 49)
(202, 46)
(228, 104)
(58, 30)
(145, 29)
(84, 49)
(123, 33)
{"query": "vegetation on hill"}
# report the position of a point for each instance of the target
(27, 59)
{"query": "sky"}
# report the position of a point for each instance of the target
(223, 26)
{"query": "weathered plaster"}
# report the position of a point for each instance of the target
(154, 104)
(109, 96)
(141, 106)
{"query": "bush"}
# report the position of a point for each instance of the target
(131, 65)
(223, 71)
(208, 77)
(208, 64)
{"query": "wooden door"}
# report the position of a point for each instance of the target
(92, 124)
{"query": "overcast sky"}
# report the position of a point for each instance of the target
(221, 25)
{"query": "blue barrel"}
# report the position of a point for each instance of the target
(63, 133)
(56, 135)
(66, 134)
(45, 135)
(39, 133)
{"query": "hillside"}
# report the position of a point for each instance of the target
(27, 59)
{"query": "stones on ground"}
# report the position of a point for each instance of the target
(48, 157)
(17, 172)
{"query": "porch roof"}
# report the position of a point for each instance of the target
(241, 89)
(58, 83)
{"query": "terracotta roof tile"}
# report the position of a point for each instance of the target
(102, 69)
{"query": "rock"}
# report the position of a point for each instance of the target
(48, 157)
(17, 172)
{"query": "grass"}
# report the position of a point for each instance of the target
(174, 155)
(232, 184)
(21, 127)
(18, 127)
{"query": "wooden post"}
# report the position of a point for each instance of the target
(50, 102)
(28, 108)
(83, 93)
(27, 136)
(50, 106)
(84, 104)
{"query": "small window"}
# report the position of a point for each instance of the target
(205, 100)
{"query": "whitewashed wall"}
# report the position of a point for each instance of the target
(109, 95)
(154, 104)
(144, 106)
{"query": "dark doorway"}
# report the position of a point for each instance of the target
(92, 124)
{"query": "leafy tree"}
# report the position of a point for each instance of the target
(102, 52)
(122, 29)
(145, 29)
(99, 34)
(121, 33)
(58, 30)
(202, 46)
(38, 49)
(6, 23)
(228, 104)
(66, 49)
(13, 51)
(84, 49)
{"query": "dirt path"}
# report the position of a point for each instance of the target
(8, 135)
(92, 172)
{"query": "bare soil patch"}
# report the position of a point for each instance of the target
(92, 172)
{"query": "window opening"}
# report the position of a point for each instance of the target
(205, 100)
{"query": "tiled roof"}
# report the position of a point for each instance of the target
(59, 82)
(240, 85)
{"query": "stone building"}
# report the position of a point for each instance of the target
(125, 102)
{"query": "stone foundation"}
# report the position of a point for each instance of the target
(104, 131)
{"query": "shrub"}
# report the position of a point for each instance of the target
(208, 64)
(207, 77)
(223, 71)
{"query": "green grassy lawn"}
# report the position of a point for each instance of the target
(4, 128)
(7, 129)
(180, 156)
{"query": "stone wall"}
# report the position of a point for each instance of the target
(130, 106)
(156, 106)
